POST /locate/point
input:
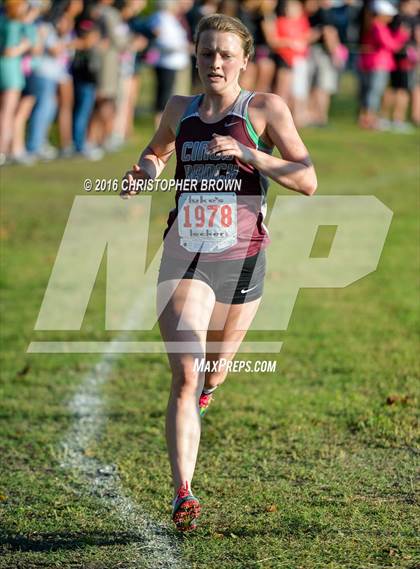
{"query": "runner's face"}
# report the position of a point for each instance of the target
(220, 59)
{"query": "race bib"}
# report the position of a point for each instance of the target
(207, 223)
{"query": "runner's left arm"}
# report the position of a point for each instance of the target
(294, 170)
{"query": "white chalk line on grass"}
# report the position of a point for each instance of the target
(155, 548)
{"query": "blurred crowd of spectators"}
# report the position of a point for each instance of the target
(79, 63)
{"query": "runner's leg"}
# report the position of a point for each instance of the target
(233, 321)
(193, 301)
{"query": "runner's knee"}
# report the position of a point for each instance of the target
(186, 382)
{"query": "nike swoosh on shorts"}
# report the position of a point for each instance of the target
(244, 291)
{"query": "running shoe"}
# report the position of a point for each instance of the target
(92, 153)
(204, 402)
(403, 127)
(24, 159)
(67, 152)
(206, 398)
(47, 153)
(186, 509)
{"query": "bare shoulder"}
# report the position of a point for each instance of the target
(175, 108)
(268, 105)
(267, 111)
(180, 101)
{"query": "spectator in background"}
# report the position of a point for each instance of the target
(115, 41)
(291, 44)
(327, 57)
(249, 14)
(174, 51)
(340, 18)
(266, 67)
(379, 43)
(51, 69)
(282, 70)
(14, 43)
(125, 100)
(259, 17)
(85, 71)
(229, 8)
(139, 26)
(30, 61)
(352, 37)
(71, 10)
(402, 79)
(199, 10)
(415, 95)
(183, 83)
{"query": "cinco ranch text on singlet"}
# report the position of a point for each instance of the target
(223, 224)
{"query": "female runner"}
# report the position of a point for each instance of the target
(213, 264)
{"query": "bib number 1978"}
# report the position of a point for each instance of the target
(207, 222)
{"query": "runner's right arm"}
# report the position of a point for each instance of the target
(158, 152)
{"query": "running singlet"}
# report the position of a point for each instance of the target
(221, 215)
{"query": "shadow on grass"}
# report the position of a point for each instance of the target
(66, 541)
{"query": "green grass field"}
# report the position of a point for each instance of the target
(311, 467)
